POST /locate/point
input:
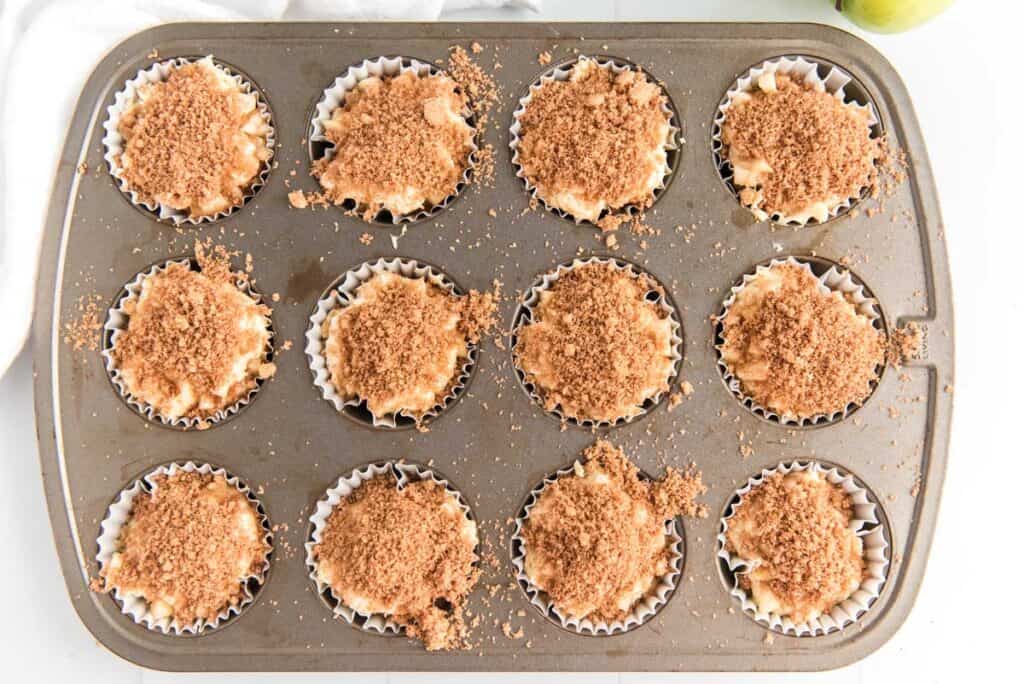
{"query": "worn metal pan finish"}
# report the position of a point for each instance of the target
(294, 444)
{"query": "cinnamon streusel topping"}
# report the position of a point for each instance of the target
(797, 350)
(400, 344)
(407, 553)
(797, 151)
(595, 541)
(596, 142)
(596, 348)
(795, 531)
(193, 142)
(188, 548)
(195, 343)
(400, 143)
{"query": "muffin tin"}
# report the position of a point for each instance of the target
(290, 446)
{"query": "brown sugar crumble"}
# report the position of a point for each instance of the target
(794, 530)
(400, 143)
(83, 332)
(188, 332)
(595, 541)
(194, 142)
(596, 348)
(595, 145)
(408, 553)
(798, 351)
(905, 344)
(796, 151)
(400, 345)
(188, 548)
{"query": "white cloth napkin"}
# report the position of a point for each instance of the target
(47, 50)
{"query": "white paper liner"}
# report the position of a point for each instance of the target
(120, 512)
(804, 69)
(673, 141)
(404, 473)
(866, 523)
(334, 97)
(113, 141)
(117, 323)
(836, 279)
(342, 294)
(526, 314)
(645, 609)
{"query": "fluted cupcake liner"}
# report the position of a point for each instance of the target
(334, 97)
(113, 142)
(644, 609)
(404, 474)
(117, 323)
(342, 293)
(673, 140)
(527, 310)
(866, 523)
(806, 70)
(836, 279)
(119, 513)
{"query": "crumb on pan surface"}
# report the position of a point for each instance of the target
(596, 348)
(195, 343)
(401, 143)
(194, 142)
(596, 143)
(794, 531)
(798, 351)
(187, 548)
(404, 553)
(595, 540)
(797, 151)
(401, 343)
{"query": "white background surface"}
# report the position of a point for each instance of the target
(962, 73)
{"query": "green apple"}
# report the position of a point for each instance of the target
(890, 16)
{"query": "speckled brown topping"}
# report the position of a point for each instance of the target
(188, 546)
(411, 549)
(596, 347)
(795, 528)
(400, 143)
(193, 142)
(186, 334)
(401, 343)
(595, 142)
(595, 540)
(799, 351)
(816, 148)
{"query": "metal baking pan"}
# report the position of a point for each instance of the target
(495, 445)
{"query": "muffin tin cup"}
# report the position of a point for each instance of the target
(527, 311)
(334, 97)
(404, 474)
(120, 512)
(113, 141)
(807, 70)
(867, 523)
(343, 293)
(673, 140)
(645, 609)
(117, 323)
(836, 279)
